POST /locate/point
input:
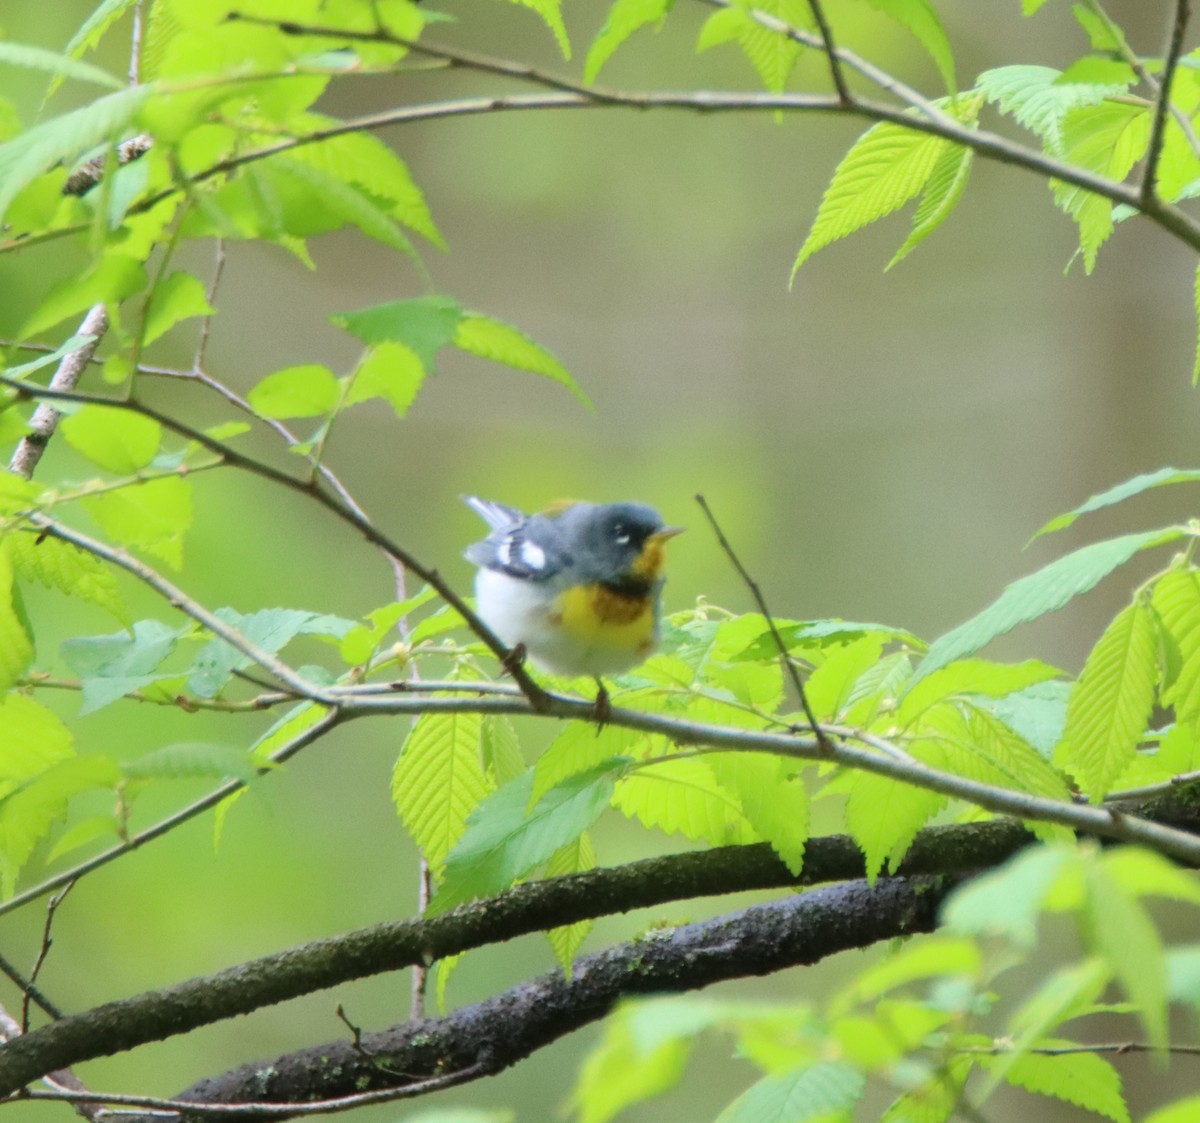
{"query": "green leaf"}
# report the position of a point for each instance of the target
(622, 1071)
(270, 629)
(966, 677)
(151, 516)
(109, 280)
(1111, 702)
(580, 747)
(1196, 305)
(929, 958)
(328, 195)
(501, 343)
(829, 687)
(1184, 1110)
(773, 799)
(884, 815)
(503, 842)
(576, 857)
(1037, 714)
(90, 32)
(63, 66)
(1041, 592)
(624, 18)
(681, 795)
(438, 781)
(368, 163)
(179, 297)
(1119, 928)
(945, 188)
(35, 739)
(1084, 1079)
(64, 138)
(16, 649)
(1035, 98)
(426, 324)
(501, 750)
(550, 11)
(808, 1093)
(1108, 139)
(309, 390)
(1176, 599)
(191, 759)
(51, 358)
(112, 666)
(1007, 901)
(391, 371)
(1121, 492)
(1145, 873)
(919, 18)
(64, 566)
(888, 165)
(117, 439)
(771, 52)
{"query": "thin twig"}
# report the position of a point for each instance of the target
(831, 53)
(784, 656)
(25, 986)
(268, 1110)
(206, 321)
(64, 1080)
(45, 418)
(43, 951)
(135, 47)
(1159, 122)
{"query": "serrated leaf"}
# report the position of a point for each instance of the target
(829, 687)
(388, 370)
(972, 677)
(62, 66)
(945, 188)
(1119, 493)
(1176, 599)
(332, 196)
(884, 815)
(501, 749)
(112, 666)
(682, 796)
(920, 19)
(309, 390)
(1007, 901)
(110, 280)
(773, 799)
(1035, 97)
(576, 857)
(64, 566)
(34, 740)
(505, 839)
(151, 516)
(438, 781)
(270, 629)
(619, 1072)
(551, 14)
(888, 165)
(501, 343)
(16, 648)
(179, 297)
(90, 32)
(117, 439)
(1041, 592)
(623, 19)
(63, 139)
(578, 748)
(190, 759)
(1145, 873)
(1081, 1078)
(1111, 703)
(808, 1093)
(426, 324)
(1118, 927)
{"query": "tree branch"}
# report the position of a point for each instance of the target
(508, 1027)
(1163, 101)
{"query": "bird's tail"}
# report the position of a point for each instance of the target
(496, 515)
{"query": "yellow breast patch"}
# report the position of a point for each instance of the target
(594, 614)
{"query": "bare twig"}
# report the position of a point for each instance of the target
(45, 418)
(43, 951)
(206, 321)
(831, 53)
(784, 656)
(135, 45)
(267, 1110)
(64, 1080)
(1159, 121)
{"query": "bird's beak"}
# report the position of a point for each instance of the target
(660, 536)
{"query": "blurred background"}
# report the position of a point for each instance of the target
(878, 447)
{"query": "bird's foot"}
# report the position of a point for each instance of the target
(514, 660)
(602, 708)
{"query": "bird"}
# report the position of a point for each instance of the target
(576, 588)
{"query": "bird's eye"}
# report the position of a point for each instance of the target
(621, 534)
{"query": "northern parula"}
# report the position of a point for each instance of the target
(576, 587)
